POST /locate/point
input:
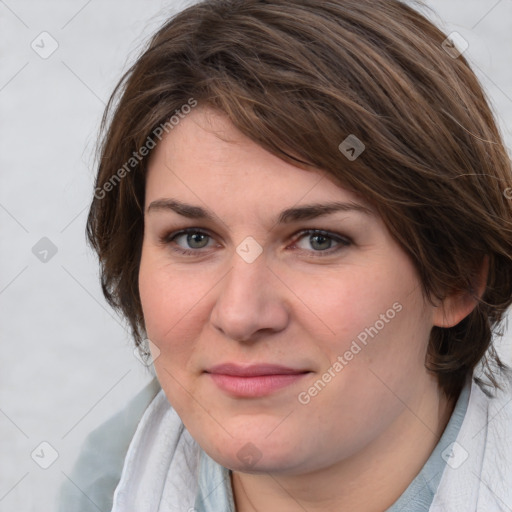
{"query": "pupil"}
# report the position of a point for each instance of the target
(323, 242)
(196, 238)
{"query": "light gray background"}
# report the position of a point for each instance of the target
(67, 361)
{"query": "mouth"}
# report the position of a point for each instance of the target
(255, 380)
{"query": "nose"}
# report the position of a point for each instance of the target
(251, 301)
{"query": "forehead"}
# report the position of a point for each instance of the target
(206, 159)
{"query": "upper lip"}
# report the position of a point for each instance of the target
(253, 370)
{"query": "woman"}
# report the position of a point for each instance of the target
(304, 207)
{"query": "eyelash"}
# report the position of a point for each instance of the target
(343, 241)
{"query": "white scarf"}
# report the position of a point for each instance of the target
(161, 465)
(160, 472)
(483, 481)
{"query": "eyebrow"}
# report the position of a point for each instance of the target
(304, 212)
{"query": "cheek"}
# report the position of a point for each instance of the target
(348, 301)
(171, 303)
(382, 357)
(373, 317)
(174, 315)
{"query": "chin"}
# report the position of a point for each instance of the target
(256, 456)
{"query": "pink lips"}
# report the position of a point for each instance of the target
(254, 380)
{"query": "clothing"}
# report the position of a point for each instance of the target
(97, 470)
(165, 469)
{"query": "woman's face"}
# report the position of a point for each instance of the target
(254, 283)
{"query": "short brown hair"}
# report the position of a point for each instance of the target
(297, 77)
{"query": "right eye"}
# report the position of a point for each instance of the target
(188, 241)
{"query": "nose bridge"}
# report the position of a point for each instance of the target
(247, 300)
(249, 272)
(246, 285)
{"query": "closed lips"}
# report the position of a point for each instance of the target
(257, 370)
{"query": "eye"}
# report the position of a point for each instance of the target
(322, 242)
(188, 241)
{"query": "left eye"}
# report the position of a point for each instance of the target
(321, 241)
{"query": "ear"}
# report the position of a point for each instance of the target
(458, 305)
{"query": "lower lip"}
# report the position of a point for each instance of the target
(251, 387)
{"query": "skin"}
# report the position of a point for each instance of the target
(362, 439)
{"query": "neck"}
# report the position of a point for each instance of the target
(370, 480)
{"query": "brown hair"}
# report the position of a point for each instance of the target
(297, 77)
